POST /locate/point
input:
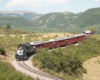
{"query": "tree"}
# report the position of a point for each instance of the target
(93, 30)
(8, 26)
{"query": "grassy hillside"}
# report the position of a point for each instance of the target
(56, 20)
(16, 21)
(3, 30)
(67, 63)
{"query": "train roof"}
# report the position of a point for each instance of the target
(87, 31)
(81, 34)
(52, 40)
(48, 41)
(68, 37)
(57, 39)
(36, 43)
(71, 36)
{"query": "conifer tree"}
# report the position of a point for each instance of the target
(8, 26)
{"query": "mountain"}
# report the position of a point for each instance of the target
(88, 18)
(17, 22)
(25, 14)
(56, 20)
(52, 22)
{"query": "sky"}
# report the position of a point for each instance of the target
(49, 6)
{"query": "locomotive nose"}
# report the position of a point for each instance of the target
(20, 52)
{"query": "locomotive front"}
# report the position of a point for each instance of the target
(23, 52)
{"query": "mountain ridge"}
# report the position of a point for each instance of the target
(58, 21)
(25, 14)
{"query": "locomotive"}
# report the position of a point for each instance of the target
(25, 50)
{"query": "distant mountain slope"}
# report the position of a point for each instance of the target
(88, 18)
(56, 20)
(25, 14)
(5, 31)
(16, 21)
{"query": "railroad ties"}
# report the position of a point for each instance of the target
(25, 66)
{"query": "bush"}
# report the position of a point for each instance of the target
(2, 51)
(59, 62)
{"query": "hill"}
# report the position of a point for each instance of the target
(25, 14)
(3, 30)
(56, 20)
(17, 22)
(70, 22)
(52, 22)
(88, 19)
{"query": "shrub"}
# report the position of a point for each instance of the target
(2, 51)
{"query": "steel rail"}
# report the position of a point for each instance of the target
(23, 65)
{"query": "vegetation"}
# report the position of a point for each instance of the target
(67, 63)
(93, 30)
(89, 17)
(9, 41)
(11, 38)
(8, 26)
(16, 21)
(4, 30)
(59, 20)
(7, 72)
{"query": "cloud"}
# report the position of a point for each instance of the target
(0, 1)
(34, 3)
(97, 0)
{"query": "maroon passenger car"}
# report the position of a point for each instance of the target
(71, 39)
(37, 45)
(49, 44)
(60, 42)
(81, 37)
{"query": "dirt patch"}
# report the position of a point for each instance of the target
(93, 69)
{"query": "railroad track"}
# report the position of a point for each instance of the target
(23, 65)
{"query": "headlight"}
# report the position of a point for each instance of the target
(20, 52)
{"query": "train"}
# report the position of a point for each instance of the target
(25, 50)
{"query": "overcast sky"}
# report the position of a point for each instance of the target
(48, 6)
